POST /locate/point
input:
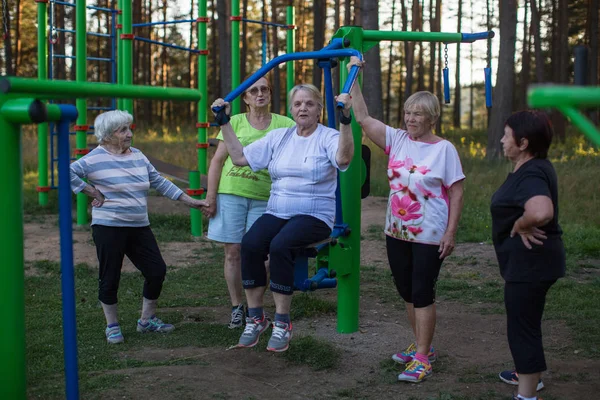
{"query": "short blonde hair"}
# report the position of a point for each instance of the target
(426, 102)
(316, 94)
(108, 122)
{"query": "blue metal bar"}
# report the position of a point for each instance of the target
(88, 33)
(252, 21)
(176, 21)
(64, 30)
(472, 37)
(99, 59)
(65, 220)
(488, 86)
(63, 56)
(334, 44)
(446, 73)
(309, 55)
(100, 108)
(167, 45)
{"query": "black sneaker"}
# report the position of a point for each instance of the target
(512, 378)
(237, 317)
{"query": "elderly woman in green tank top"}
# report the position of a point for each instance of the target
(237, 195)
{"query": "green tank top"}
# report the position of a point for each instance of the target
(242, 181)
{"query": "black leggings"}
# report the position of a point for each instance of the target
(139, 245)
(282, 240)
(524, 302)
(415, 268)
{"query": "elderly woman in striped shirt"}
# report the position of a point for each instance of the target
(119, 177)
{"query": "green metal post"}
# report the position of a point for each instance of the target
(119, 50)
(81, 103)
(127, 53)
(42, 46)
(195, 215)
(345, 259)
(291, 40)
(235, 53)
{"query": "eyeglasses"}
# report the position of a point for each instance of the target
(263, 89)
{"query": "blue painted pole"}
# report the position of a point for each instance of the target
(68, 115)
(488, 86)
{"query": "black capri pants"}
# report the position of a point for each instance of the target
(524, 302)
(282, 240)
(415, 268)
(139, 245)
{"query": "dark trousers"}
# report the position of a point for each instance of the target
(415, 268)
(139, 245)
(281, 240)
(524, 302)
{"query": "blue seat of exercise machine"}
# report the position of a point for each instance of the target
(322, 279)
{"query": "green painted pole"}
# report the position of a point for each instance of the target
(555, 95)
(42, 46)
(290, 20)
(36, 87)
(81, 102)
(378, 36)
(12, 277)
(345, 259)
(235, 53)
(119, 50)
(127, 52)
(583, 123)
(195, 215)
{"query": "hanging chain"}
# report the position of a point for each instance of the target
(5, 19)
(446, 56)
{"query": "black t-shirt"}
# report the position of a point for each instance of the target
(517, 263)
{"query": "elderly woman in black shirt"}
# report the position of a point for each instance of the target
(528, 244)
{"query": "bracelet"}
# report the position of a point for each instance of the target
(345, 120)
(222, 118)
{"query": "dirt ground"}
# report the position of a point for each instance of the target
(471, 344)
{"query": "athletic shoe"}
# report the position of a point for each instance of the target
(154, 325)
(415, 372)
(512, 378)
(281, 336)
(251, 334)
(237, 317)
(113, 334)
(407, 355)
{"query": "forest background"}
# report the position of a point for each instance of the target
(534, 44)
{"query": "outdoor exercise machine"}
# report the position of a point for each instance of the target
(20, 103)
(567, 100)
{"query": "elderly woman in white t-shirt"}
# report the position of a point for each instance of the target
(424, 207)
(303, 162)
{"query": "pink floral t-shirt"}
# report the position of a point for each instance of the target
(419, 174)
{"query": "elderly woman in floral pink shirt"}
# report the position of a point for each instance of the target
(424, 207)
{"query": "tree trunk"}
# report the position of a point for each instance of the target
(320, 17)
(18, 48)
(347, 12)
(224, 47)
(505, 79)
(409, 52)
(594, 55)
(457, 92)
(244, 44)
(388, 94)
(372, 75)
(215, 82)
(525, 63)
(560, 62)
(537, 42)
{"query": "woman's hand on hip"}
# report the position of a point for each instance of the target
(446, 245)
(99, 199)
(528, 235)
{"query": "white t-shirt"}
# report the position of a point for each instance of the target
(303, 171)
(419, 174)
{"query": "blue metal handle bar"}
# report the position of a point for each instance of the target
(264, 23)
(472, 37)
(335, 44)
(166, 45)
(175, 21)
(352, 75)
(99, 59)
(309, 55)
(62, 56)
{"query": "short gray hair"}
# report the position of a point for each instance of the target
(107, 123)
(426, 102)
(312, 89)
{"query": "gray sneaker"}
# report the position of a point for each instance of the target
(280, 339)
(113, 334)
(237, 317)
(254, 327)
